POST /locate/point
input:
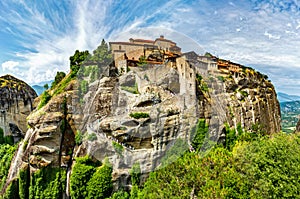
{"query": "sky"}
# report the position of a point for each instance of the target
(38, 37)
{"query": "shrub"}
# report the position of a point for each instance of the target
(82, 171)
(131, 89)
(221, 78)
(138, 115)
(199, 134)
(135, 173)
(59, 76)
(92, 137)
(45, 98)
(78, 137)
(47, 182)
(100, 185)
(6, 155)
(118, 147)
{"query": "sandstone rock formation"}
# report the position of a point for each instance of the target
(139, 116)
(16, 103)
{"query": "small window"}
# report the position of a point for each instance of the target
(190, 85)
(190, 65)
(181, 66)
(120, 47)
(182, 74)
(191, 75)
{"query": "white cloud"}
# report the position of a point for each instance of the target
(9, 65)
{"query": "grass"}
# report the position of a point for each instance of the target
(138, 115)
(131, 89)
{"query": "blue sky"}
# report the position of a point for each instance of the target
(37, 37)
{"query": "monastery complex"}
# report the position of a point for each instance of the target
(136, 52)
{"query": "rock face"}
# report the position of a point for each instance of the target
(16, 103)
(139, 116)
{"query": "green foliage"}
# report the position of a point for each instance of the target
(244, 93)
(231, 137)
(78, 137)
(198, 134)
(138, 115)
(6, 155)
(179, 148)
(47, 182)
(12, 191)
(6, 139)
(100, 185)
(201, 84)
(199, 77)
(95, 74)
(261, 168)
(9, 139)
(83, 88)
(92, 137)
(46, 86)
(102, 54)
(142, 61)
(120, 195)
(76, 60)
(62, 85)
(221, 78)
(135, 173)
(118, 148)
(24, 183)
(59, 76)
(2, 141)
(131, 89)
(134, 192)
(45, 98)
(82, 171)
(269, 167)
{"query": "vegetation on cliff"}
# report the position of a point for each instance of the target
(90, 180)
(267, 167)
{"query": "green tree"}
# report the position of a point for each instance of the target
(199, 134)
(58, 77)
(82, 171)
(1, 136)
(102, 54)
(100, 185)
(46, 86)
(76, 60)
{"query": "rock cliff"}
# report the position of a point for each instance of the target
(139, 116)
(16, 103)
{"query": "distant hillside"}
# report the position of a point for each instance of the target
(283, 97)
(38, 89)
(290, 112)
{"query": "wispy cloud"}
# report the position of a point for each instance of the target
(42, 35)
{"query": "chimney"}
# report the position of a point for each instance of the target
(162, 37)
(131, 40)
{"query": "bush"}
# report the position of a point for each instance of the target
(135, 173)
(198, 134)
(78, 137)
(24, 183)
(120, 195)
(100, 185)
(131, 89)
(45, 98)
(82, 171)
(92, 137)
(47, 182)
(138, 115)
(118, 147)
(6, 154)
(59, 76)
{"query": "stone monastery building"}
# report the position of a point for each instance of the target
(164, 51)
